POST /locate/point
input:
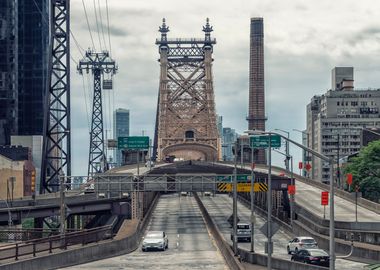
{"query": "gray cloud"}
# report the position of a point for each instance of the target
(303, 42)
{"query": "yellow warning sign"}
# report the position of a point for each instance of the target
(241, 187)
(260, 187)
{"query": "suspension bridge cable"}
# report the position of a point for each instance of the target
(88, 25)
(108, 28)
(97, 24)
(85, 101)
(101, 24)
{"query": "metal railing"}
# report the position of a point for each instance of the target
(49, 244)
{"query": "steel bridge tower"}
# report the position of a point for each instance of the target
(99, 63)
(186, 120)
(56, 159)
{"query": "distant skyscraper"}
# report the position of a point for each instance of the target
(219, 125)
(229, 138)
(120, 129)
(256, 107)
(24, 33)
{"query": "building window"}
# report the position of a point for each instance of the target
(189, 135)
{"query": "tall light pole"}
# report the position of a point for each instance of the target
(234, 205)
(252, 203)
(286, 148)
(308, 153)
(292, 183)
(331, 162)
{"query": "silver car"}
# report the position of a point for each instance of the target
(155, 240)
(301, 242)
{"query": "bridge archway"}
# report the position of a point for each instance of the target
(191, 151)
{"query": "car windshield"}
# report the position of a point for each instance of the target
(318, 253)
(246, 227)
(308, 241)
(154, 235)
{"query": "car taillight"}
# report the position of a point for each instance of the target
(313, 259)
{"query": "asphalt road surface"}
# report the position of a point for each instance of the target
(190, 245)
(220, 208)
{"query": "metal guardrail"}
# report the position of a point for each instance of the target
(49, 244)
(14, 235)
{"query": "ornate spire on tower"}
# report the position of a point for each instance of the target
(207, 29)
(163, 29)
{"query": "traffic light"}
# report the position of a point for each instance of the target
(33, 181)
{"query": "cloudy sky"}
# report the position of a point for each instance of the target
(304, 40)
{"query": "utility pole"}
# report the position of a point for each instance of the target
(253, 219)
(99, 63)
(235, 247)
(62, 219)
(269, 204)
(337, 162)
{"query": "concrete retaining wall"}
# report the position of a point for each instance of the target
(87, 253)
(361, 250)
(279, 264)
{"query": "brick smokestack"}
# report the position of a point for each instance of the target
(256, 107)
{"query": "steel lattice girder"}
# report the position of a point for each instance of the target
(56, 142)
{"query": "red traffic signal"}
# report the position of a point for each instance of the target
(292, 189)
(300, 165)
(349, 178)
(308, 166)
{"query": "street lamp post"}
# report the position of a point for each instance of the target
(331, 162)
(286, 148)
(252, 204)
(289, 157)
(235, 204)
(308, 153)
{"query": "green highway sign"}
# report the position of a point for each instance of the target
(230, 178)
(262, 141)
(243, 177)
(133, 142)
(224, 178)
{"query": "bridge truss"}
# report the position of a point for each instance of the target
(186, 119)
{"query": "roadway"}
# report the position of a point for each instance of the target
(220, 208)
(309, 197)
(190, 245)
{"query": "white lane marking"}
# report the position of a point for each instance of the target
(177, 240)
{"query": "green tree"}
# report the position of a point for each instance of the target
(365, 169)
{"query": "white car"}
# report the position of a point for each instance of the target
(301, 242)
(155, 240)
(149, 164)
(207, 193)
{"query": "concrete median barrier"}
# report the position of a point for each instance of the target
(232, 261)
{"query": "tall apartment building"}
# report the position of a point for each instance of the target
(24, 33)
(335, 120)
(120, 129)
